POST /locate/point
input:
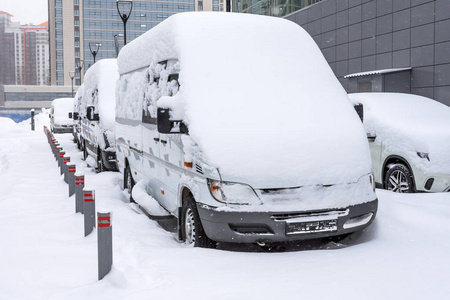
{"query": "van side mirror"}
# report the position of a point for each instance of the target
(91, 115)
(359, 108)
(70, 115)
(165, 125)
(75, 116)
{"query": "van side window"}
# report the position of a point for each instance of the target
(174, 85)
(161, 80)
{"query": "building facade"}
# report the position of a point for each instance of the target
(24, 52)
(80, 28)
(276, 8)
(383, 45)
(7, 49)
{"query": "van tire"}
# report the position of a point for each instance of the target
(128, 182)
(100, 165)
(399, 179)
(85, 154)
(191, 227)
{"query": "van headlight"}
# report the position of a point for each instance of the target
(232, 193)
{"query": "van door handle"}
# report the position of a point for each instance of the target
(164, 142)
(156, 139)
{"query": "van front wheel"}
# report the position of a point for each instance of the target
(192, 229)
(100, 164)
(128, 182)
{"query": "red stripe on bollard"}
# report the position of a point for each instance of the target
(104, 221)
(88, 197)
(71, 169)
(79, 181)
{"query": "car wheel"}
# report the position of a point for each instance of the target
(192, 229)
(128, 182)
(100, 165)
(85, 154)
(399, 179)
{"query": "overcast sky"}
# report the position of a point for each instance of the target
(26, 11)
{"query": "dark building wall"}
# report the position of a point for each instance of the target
(7, 66)
(366, 35)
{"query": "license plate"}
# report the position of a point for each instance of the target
(311, 226)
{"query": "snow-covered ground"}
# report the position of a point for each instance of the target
(404, 254)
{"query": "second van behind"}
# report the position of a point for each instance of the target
(98, 103)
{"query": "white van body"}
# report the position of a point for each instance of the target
(77, 116)
(98, 125)
(274, 150)
(59, 115)
(409, 140)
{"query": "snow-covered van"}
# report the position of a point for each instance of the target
(237, 126)
(77, 115)
(98, 104)
(59, 115)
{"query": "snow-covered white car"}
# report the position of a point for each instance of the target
(227, 125)
(409, 138)
(98, 104)
(59, 115)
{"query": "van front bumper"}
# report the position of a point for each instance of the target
(63, 129)
(109, 160)
(252, 227)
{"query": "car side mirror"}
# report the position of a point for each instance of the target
(70, 115)
(91, 115)
(168, 126)
(359, 108)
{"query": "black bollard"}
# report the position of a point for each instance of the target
(104, 244)
(89, 211)
(79, 186)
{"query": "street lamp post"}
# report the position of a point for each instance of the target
(78, 67)
(94, 47)
(72, 76)
(116, 43)
(125, 4)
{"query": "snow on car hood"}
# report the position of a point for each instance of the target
(258, 97)
(407, 124)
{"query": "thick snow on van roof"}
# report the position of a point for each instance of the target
(77, 99)
(61, 109)
(102, 77)
(407, 124)
(259, 98)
